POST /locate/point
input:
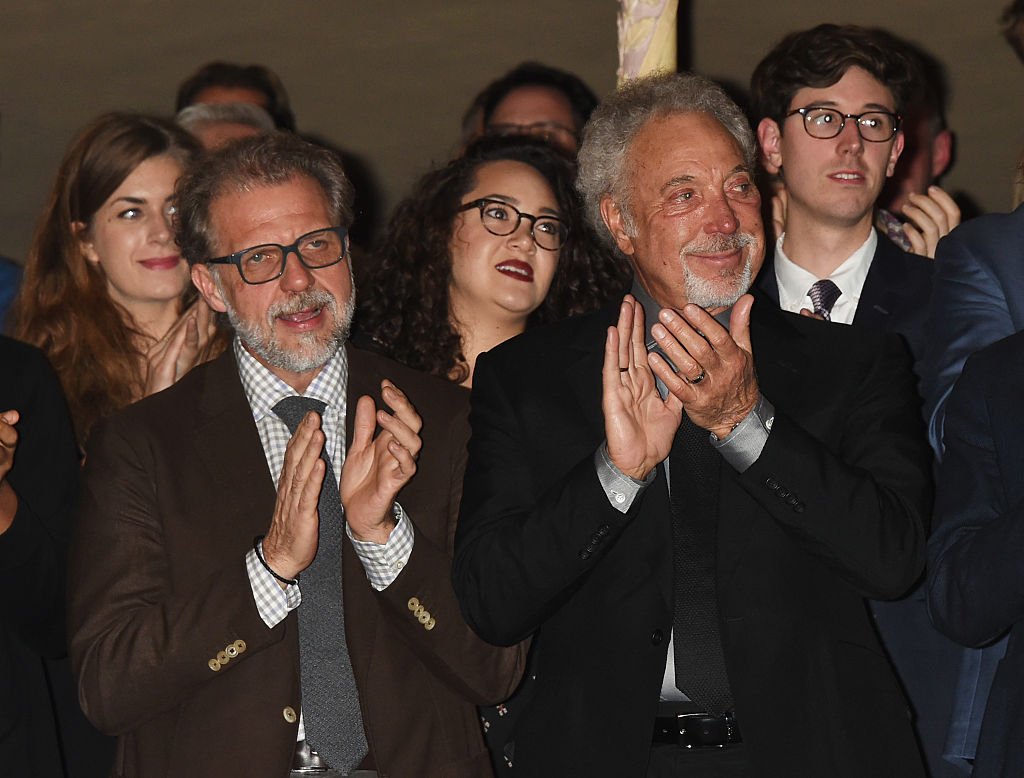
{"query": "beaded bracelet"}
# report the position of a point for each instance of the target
(256, 547)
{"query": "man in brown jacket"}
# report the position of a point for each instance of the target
(188, 636)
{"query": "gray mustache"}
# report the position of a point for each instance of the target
(720, 243)
(312, 298)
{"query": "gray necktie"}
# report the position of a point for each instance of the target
(330, 701)
(823, 296)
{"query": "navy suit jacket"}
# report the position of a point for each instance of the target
(978, 299)
(976, 590)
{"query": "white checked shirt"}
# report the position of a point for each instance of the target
(795, 282)
(264, 390)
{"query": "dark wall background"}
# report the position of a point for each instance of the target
(387, 81)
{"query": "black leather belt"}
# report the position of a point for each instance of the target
(697, 730)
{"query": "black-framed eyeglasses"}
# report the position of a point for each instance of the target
(825, 123)
(315, 250)
(498, 218)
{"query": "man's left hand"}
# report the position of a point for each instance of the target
(716, 382)
(376, 468)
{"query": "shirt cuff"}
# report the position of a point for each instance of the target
(272, 602)
(741, 447)
(383, 562)
(620, 489)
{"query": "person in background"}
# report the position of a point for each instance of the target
(532, 99)
(214, 124)
(228, 82)
(483, 247)
(830, 101)
(914, 212)
(106, 294)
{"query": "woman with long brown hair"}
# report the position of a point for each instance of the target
(106, 294)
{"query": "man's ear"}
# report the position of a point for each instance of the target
(85, 245)
(616, 223)
(202, 277)
(942, 153)
(894, 154)
(769, 138)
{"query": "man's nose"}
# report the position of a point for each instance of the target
(296, 276)
(849, 138)
(720, 217)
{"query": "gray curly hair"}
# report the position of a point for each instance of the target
(616, 122)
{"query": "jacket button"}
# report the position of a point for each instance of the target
(772, 484)
(657, 637)
(799, 507)
(431, 623)
(240, 645)
(413, 603)
(289, 715)
(222, 657)
(214, 665)
(231, 651)
(584, 555)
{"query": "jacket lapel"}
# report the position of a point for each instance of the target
(228, 444)
(882, 288)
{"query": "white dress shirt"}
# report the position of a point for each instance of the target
(795, 282)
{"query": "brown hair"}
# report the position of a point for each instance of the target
(64, 306)
(820, 57)
(262, 160)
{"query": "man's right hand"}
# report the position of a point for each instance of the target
(290, 544)
(639, 426)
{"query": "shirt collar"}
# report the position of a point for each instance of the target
(264, 390)
(794, 281)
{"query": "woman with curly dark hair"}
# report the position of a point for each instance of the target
(483, 247)
(106, 295)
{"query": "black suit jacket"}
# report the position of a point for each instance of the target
(894, 297)
(976, 588)
(175, 489)
(42, 730)
(831, 512)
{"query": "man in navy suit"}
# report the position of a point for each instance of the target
(830, 101)
(975, 591)
(978, 298)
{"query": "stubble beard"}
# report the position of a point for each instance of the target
(723, 290)
(313, 349)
